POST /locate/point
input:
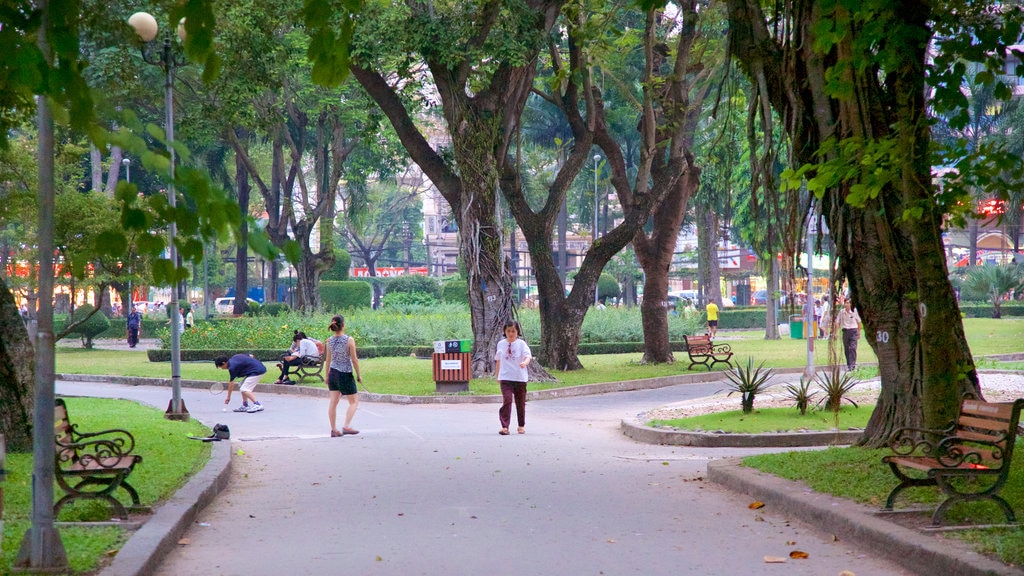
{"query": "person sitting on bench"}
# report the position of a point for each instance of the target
(302, 347)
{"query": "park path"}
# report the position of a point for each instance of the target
(433, 489)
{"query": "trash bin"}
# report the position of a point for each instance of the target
(452, 370)
(796, 326)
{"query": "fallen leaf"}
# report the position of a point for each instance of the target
(846, 573)
(111, 552)
(379, 559)
(756, 505)
(184, 541)
(798, 554)
(241, 452)
(774, 560)
(610, 541)
(791, 543)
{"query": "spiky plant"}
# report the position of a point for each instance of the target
(836, 385)
(749, 382)
(801, 394)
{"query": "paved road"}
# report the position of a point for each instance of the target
(433, 489)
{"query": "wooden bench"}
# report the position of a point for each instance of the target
(312, 367)
(978, 447)
(704, 352)
(93, 465)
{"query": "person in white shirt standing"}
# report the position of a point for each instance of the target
(849, 321)
(511, 358)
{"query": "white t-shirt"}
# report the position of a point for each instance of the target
(509, 355)
(307, 347)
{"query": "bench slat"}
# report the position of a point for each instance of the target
(982, 424)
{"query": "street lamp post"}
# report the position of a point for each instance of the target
(127, 163)
(597, 285)
(146, 27)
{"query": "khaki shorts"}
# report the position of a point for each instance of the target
(249, 384)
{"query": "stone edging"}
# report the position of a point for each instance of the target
(650, 435)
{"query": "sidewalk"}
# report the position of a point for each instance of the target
(917, 552)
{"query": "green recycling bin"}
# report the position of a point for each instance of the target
(796, 326)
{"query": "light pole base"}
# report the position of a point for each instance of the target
(50, 560)
(182, 416)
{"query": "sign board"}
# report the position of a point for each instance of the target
(451, 364)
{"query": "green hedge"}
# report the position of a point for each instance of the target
(345, 295)
(207, 355)
(984, 309)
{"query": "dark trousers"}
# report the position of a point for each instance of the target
(512, 391)
(850, 337)
(285, 364)
(133, 337)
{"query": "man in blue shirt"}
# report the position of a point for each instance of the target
(249, 369)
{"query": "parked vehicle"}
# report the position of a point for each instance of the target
(759, 298)
(227, 305)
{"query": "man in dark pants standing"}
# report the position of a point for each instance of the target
(134, 326)
(849, 322)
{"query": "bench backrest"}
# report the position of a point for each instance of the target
(985, 432)
(694, 342)
(62, 432)
(320, 347)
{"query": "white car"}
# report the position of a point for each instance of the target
(227, 305)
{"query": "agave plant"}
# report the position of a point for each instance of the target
(749, 382)
(836, 385)
(801, 394)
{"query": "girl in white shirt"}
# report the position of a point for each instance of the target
(511, 358)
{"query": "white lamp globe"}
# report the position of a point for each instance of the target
(144, 24)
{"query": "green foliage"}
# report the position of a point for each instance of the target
(413, 283)
(801, 394)
(748, 382)
(835, 385)
(607, 287)
(454, 290)
(345, 295)
(408, 301)
(992, 283)
(90, 326)
(342, 264)
(275, 309)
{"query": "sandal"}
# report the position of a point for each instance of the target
(503, 431)
(336, 434)
(521, 430)
(351, 431)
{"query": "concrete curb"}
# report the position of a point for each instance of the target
(650, 435)
(917, 552)
(367, 396)
(147, 547)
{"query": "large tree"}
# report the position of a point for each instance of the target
(481, 59)
(850, 83)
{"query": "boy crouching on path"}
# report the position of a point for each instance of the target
(249, 369)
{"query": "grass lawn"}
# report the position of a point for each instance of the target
(771, 420)
(858, 474)
(169, 459)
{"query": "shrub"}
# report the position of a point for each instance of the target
(801, 394)
(749, 382)
(607, 287)
(275, 309)
(337, 296)
(410, 284)
(454, 289)
(406, 301)
(836, 386)
(338, 272)
(91, 327)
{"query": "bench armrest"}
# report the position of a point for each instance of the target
(721, 349)
(98, 446)
(906, 441)
(953, 453)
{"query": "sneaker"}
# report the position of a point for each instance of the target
(257, 407)
(347, 431)
(242, 408)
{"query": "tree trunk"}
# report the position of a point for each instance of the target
(242, 249)
(895, 266)
(17, 374)
(707, 243)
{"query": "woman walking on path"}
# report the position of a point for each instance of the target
(340, 355)
(511, 358)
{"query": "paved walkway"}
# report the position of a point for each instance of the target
(433, 489)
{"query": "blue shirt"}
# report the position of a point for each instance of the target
(243, 366)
